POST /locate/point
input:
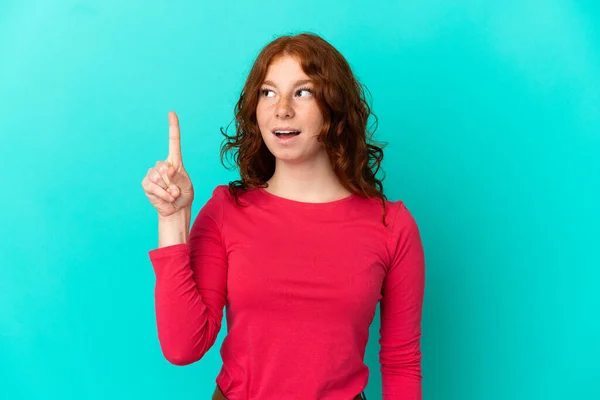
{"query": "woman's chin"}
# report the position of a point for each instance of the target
(287, 157)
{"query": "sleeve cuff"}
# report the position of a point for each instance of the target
(168, 251)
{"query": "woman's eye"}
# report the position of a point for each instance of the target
(270, 93)
(309, 91)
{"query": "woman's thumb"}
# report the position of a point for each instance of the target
(170, 171)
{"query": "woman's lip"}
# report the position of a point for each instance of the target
(286, 139)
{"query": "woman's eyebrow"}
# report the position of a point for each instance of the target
(297, 83)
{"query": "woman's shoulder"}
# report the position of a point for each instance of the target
(226, 193)
(390, 205)
(220, 191)
(401, 216)
(396, 210)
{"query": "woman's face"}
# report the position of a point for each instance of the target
(286, 103)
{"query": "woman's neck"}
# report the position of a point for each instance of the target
(306, 183)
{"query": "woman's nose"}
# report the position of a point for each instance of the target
(284, 109)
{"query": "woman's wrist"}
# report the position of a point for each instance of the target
(174, 229)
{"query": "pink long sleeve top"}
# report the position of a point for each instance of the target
(301, 282)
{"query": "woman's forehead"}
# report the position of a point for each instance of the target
(285, 69)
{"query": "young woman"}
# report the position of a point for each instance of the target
(300, 249)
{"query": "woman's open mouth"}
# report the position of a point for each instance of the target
(286, 136)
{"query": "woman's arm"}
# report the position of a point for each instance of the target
(191, 280)
(401, 309)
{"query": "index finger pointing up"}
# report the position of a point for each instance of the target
(174, 140)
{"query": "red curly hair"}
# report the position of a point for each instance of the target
(354, 156)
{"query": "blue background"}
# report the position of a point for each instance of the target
(492, 115)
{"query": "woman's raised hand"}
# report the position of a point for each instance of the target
(167, 185)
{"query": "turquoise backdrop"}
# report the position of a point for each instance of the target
(492, 115)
